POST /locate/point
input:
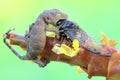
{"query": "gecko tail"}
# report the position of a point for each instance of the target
(13, 50)
(10, 47)
(26, 57)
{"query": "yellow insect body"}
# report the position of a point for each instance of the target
(66, 50)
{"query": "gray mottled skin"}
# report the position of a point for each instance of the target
(36, 37)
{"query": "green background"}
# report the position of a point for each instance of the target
(93, 16)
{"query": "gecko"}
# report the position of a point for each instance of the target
(35, 37)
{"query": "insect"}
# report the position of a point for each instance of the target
(70, 30)
(35, 38)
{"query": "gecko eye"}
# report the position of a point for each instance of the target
(48, 18)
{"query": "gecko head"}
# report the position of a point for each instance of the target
(53, 15)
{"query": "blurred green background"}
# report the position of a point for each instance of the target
(93, 16)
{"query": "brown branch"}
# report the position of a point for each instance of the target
(91, 63)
